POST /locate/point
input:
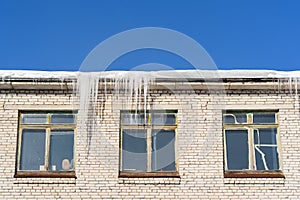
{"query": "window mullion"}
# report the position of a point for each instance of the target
(252, 165)
(149, 143)
(251, 142)
(47, 151)
(149, 149)
(250, 118)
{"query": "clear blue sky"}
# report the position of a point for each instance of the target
(238, 34)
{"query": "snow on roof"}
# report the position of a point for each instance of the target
(35, 75)
(168, 74)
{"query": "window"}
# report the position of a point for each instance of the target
(148, 143)
(251, 144)
(46, 144)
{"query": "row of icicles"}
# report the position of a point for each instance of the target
(133, 89)
(129, 88)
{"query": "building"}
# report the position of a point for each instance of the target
(149, 135)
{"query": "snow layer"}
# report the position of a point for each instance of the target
(168, 74)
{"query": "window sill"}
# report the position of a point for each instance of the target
(45, 174)
(253, 174)
(165, 174)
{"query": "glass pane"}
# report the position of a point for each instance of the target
(34, 118)
(133, 119)
(61, 150)
(234, 118)
(266, 149)
(161, 119)
(264, 118)
(163, 150)
(62, 119)
(134, 150)
(266, 158)
(33, 150)
(265, 136)
(237, 149)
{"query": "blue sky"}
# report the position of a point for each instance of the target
(238, 34)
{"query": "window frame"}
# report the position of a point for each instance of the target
(48, 127)
(252, 172)
(149, 127)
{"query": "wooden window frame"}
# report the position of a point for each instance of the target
(252, 172)
(148, 127)
(48, 127)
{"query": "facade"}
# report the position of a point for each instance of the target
(192, 137)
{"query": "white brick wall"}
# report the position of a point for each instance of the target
(200, 149)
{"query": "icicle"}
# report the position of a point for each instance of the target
(136, 96)
(145, 100)
(87, 89)
(296, 91)
(296, 87)
(279, 85)
(131, 89)
(290, 85)
(140, 93)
